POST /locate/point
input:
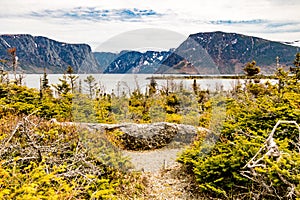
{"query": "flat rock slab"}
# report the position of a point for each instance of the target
(139, 137)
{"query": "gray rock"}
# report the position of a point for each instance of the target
(136, 137)
(147, 136)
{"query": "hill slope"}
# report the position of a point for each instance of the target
(226, 53)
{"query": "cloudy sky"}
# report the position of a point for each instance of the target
(112, 24)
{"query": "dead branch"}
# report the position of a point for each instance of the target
(10, 137)
(270, 149)
(269, 145)
(31, 143)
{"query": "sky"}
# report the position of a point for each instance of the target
(113, 25)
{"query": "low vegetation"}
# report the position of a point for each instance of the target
(250, 159)
(241, 157)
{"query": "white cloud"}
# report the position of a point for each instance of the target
(95, 22)
(96, 14)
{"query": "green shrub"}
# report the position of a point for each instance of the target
(220, 166)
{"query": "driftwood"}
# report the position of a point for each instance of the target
(270, 149)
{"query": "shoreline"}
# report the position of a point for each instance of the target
(179, 76)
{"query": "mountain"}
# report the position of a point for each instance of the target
(201, 53)
(35, 53)
(104, 59)
(131, 61)
(226, 53)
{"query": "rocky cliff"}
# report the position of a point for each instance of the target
(226, 53)
(35, 53)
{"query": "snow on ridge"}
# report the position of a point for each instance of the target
(6, 43)
(234, 41)
(294, 43)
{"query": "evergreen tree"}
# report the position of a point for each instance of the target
(45, 81)
(63, 87)
(296, 70)
(251, 69)
(80, 86)
(282, 78)
(72, 78)
(44, 85)
(92, 85)
(152, 86)
(195, 87)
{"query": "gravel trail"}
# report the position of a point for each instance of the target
(153, 161)
(166, 179)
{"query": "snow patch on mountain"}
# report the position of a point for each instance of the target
(6, 43)
(295, 43)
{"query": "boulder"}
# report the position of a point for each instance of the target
(131, 136)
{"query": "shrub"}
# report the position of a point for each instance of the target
(221, 167)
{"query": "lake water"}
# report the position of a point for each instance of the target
(118, 83)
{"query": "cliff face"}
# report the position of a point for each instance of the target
(226, 53)
(35, 53)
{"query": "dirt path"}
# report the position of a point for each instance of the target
(170, 184)
(166, 179)
(153, 161)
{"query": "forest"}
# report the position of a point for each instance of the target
(251, 150)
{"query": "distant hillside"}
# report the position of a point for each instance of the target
(104, 59)
(226, 53)
(35, 53)
(131, 61)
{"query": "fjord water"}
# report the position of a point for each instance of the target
(119, 83)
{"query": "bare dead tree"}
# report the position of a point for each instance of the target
(13, 53)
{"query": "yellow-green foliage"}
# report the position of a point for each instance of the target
(83, 109)
(218, 165)
(22, 100)
(33, 182)
(103, 107)
(139, 105)
(114, 136)
(173, 118)
(53, 161)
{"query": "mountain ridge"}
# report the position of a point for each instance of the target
(227, 53)
(38, 52)
(201, 53)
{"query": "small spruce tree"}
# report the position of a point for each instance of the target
(251, 69)
(91, 85)
(296, 69)
(72, 78)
